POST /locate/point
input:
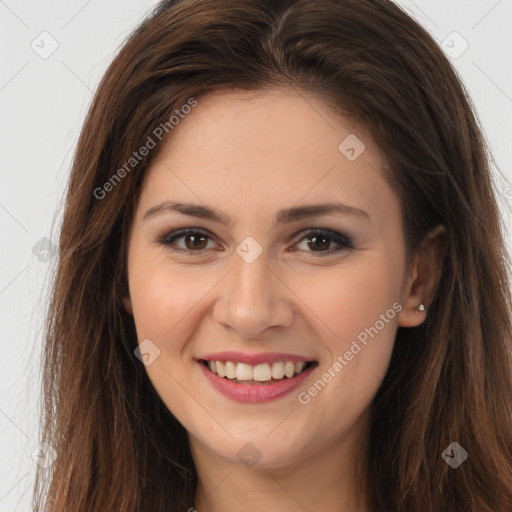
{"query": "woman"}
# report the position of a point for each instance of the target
(282, 282)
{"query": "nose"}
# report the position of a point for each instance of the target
(254, 299)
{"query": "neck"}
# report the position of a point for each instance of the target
(332, 479)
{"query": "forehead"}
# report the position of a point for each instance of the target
(284, 121)
(256, 148)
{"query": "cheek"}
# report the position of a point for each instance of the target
(346, 303)
(356, 311)
(164, 299)
(165, 302)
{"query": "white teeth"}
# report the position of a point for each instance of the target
(277, 370)
(289, 369)
(262, 372)
(230, 369)
(221, 372)
(243, 371)
(259, 372)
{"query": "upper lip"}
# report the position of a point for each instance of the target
(252, 359)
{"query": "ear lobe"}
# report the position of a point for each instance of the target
(127, 303)
(424, 279)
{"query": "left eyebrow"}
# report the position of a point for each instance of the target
(284, 216)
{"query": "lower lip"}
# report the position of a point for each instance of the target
(254, 393)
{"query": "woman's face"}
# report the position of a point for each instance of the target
(254, 177)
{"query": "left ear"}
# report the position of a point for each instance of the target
(424, 277)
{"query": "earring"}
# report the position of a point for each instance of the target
(420, 308)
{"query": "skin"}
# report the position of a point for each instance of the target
(250, 155)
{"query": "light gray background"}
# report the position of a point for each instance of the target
(43, 102)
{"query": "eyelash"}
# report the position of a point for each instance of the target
(338, 238)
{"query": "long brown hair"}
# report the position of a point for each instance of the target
(118, 447)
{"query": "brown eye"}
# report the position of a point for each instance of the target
(195, 241)
(320, 241)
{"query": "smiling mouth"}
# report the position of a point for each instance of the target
(266, 373)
